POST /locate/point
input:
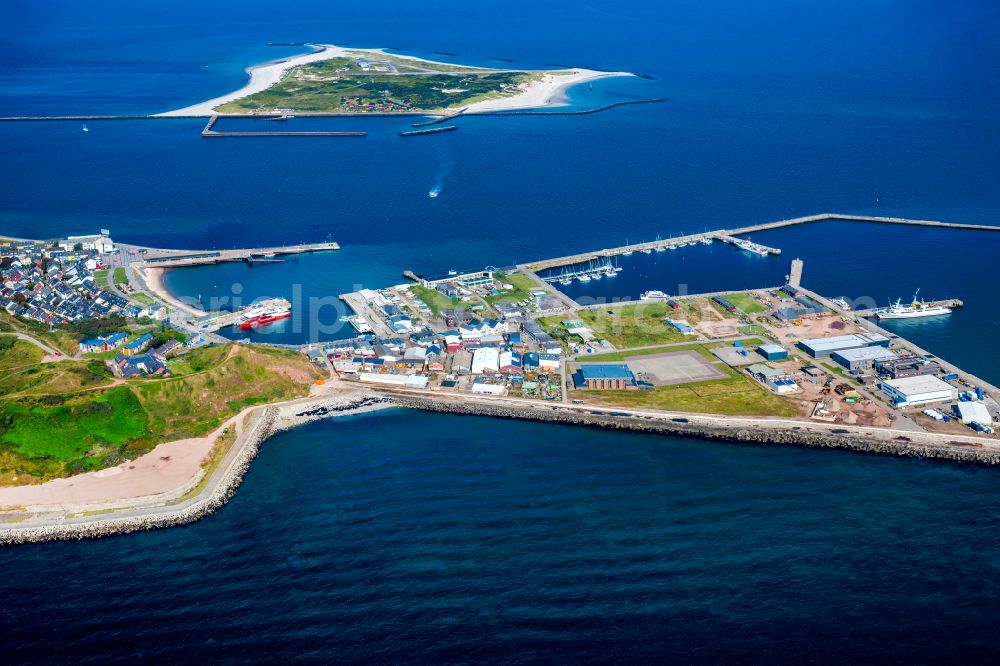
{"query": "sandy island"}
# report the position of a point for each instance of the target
(549, 91)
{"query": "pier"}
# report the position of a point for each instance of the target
(178, 258)
(429, 130)
(731, 236)
(208, 131)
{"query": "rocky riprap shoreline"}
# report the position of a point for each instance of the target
(271, 422)
(199, 507)
(276, 419)
(790, 435)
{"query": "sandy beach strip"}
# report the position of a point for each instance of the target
(260, 78)
(152, 277)
(550, 91)
(172, 467)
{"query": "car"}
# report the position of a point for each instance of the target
(58, 353)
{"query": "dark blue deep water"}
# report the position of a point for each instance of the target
(485, 540)
(419, 537)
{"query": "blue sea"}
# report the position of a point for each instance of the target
(419, 537)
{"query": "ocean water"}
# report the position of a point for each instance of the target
(421, 537)
(499, 541)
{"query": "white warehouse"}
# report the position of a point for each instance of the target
(919, 390)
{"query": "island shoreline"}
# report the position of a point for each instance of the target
(550, 92)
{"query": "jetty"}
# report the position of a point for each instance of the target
(430, 130)
(732, 236)
(177, 258)
(209, 130)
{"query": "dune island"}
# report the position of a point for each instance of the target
(333, 79)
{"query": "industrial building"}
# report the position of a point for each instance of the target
(919, 390)
(824, 347)
(467, 279)
(773, 352)
(862, 359)
(973, 412)
(907, 366)
(485, 359)
(614, 376)
(772, 378)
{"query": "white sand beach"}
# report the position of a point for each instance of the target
(261, 77)
(152, 276)
(550, 91)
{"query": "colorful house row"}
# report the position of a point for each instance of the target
(103, 343)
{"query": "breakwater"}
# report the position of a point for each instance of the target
(729, 235)
(582, 112)
(209, 131)
(431, 130)
(220, 488)
(899, 445)
(156, 518)
(277, 418)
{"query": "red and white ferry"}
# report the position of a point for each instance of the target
(264, 313)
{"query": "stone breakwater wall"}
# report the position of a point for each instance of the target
(218, 491)
(295, 415)
(788, 435)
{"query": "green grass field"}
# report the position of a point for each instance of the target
(80, 430)
(522, 286)
(621, 356)
(119, 276)
(56, 419)
(638, 325)
(735, 395)
(745, 303)
(434, 299)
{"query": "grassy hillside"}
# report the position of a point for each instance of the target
(58, 419)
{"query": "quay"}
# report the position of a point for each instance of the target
(730, 236)
(360, 308)
(177, 258)
(208, 131)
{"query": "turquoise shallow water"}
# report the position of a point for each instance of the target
(414, 537)
(487, 540)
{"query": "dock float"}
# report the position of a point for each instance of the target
(430, 130)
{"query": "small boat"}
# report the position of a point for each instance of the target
(627, 253)
(433, 194)
(565, 281)
(660, 248)
(653, 295)
(85, 129)
(583, 278)
(595, 276)
(841, 303)
(610, 274)
(646, 250)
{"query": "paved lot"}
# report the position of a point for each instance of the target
(732, 356)
(678, 367)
